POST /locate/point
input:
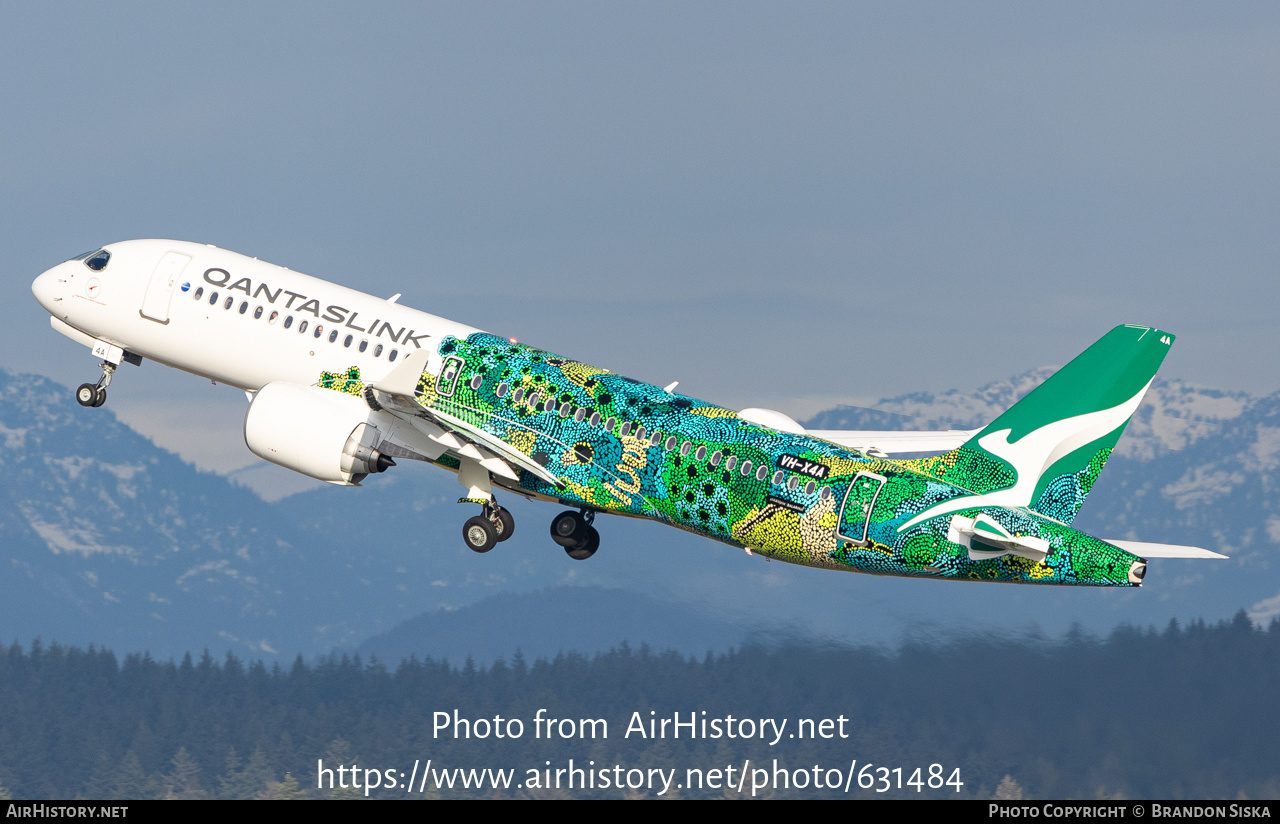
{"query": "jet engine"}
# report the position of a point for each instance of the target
(328, 435)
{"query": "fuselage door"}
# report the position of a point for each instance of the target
(449, 374)
(155, 304)
(855, 512)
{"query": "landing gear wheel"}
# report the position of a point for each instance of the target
(479, 534)
(87, 395)
(100, 396)
(504, 522)
(567, 529)
(587, 548)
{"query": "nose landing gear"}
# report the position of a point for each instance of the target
(573, 531)
(95, 394)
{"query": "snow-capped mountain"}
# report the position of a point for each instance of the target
(109, 539)
(1195, 466)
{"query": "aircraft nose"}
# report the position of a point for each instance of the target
(47, 289)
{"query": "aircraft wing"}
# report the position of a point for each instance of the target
(396, 394)
(881, 443)
(1146, 550)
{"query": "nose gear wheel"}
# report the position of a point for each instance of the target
(95, 394)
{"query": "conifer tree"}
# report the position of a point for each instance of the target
(287, 790)
(184, 781)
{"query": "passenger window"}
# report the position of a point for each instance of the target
(762, 473)
(199, 292)
(393, 354)
(213, 297)
(257, 313)
(626, 429)
(244, 306)
(715, 458)
(701, 454)
(580, 414)
(518, 396)
(809, 487)
(477, 381)
(288, 322)
(655, 439)
(333, 336)
(535, 399)
(595, 419)
(777, 477)
(226, 304)
(275, 316)
(670, 444)
(364, 344)
(502, 390)
(610, 423)
(746, 468)
(686, 448)
(302, 327)
(564, 410)
(549, 405)
(825, 494)
(346, 342)
(730, 462)
(640, 433)
(319, 330)
(791, 484)
(377, 351)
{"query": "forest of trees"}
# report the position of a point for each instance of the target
(1183, 712)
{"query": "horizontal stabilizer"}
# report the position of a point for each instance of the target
(895, 442)
(985, 539)
(1146, 550)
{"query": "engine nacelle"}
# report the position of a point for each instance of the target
(318, 432)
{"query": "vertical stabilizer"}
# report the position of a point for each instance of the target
(1059, 436)
(1045, 451)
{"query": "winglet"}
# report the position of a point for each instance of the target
(403, 380)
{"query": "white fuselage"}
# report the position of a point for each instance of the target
(145, 301)
(343, 383)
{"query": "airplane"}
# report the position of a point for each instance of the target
(343, 384)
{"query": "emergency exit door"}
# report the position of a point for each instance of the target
(855, 512)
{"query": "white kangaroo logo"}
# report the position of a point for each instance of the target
(1032, 454)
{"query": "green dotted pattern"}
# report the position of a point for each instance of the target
(605, 470)
(348, 382)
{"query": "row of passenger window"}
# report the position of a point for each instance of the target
(303, 325)
(629, 429)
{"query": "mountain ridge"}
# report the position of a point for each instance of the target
(112, 540)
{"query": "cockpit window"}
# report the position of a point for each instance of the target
(97, 261)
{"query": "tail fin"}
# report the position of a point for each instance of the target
(1046, 451)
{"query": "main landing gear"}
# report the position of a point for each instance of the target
(95, 394)
(483, 532)
(573, 531)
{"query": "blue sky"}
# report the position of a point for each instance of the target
(788, 205)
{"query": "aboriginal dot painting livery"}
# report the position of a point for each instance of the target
(343, 384)
(620, 445)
